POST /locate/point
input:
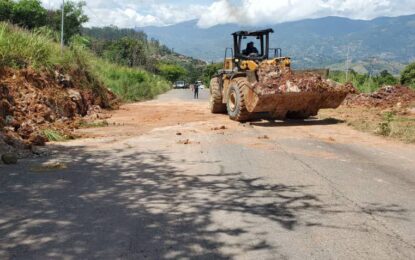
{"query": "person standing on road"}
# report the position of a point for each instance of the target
(196, 90)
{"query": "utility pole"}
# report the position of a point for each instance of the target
(372, 61)
(347, 63)
(62, 23)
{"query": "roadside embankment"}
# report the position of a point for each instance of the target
(389, 112)
(47, 92)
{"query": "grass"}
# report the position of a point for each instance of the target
(54, 136)
(391, 124)
(128, 83)
(20, 48)
(397, 126)
(363, 83)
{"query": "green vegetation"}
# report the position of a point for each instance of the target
(30, 14)
(126, 47)
(121, 59)
(20, 48)
(131, 48)
(210, 71)
(393, 124)
(74, 18)
(408, 75)
(364, 82)
(130, 84)
(25, 13)
(172, 72)
(119, 65)
(384, 127)
(54, 136)
(397, 126)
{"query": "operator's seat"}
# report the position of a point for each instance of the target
(250, 49)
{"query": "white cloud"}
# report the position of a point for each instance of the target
(138, 13)
(253, 12)
(135, 13)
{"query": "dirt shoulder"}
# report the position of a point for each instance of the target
(389, 112)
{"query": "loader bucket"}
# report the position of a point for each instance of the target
(295, 95)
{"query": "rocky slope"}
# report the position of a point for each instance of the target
(32, 103)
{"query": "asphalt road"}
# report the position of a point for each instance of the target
(197, 185)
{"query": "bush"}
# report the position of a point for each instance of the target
(127, 51)
(210, 71)
(172, 72)
(385, 78)
(408, 75)
(364, 82)
(29, 14)
(130, 84)
(6, 10)
(74, 18)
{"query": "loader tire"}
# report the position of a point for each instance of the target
(236, 101)
(216, 105)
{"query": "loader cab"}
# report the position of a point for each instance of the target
(260, 39)
(243, 60)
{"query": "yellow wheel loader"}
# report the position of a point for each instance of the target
(252, 83)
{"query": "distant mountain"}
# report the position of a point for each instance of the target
(311, 43)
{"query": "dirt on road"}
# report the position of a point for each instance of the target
(166, 179)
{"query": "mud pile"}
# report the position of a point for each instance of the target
(31, 102)
(386, 97)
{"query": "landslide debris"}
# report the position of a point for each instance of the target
(32, 102)
(386, 97)
(386, 112)
(286, 80)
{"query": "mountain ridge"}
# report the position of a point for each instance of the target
(311, 42)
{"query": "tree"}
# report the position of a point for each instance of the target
(408, 75)
(73, 21)
(385, 78)
(6, 10)
(29, 14)
(127, 51)
(210, 71)
(172, 72)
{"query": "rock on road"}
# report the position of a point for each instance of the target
(169, 180)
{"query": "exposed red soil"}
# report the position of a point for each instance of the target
(31, 102)
(386, 97)
(286, 81)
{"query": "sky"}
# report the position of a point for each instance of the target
(139, 13)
